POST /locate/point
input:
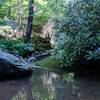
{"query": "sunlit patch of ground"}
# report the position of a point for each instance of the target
(49, 62)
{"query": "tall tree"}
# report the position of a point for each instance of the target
(30, 22)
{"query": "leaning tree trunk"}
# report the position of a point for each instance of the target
(30, 22)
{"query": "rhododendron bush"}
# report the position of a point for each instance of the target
(76, 32)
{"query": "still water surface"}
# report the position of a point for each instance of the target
(49, 85)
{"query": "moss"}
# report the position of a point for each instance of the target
(49, 62)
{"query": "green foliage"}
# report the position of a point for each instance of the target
(57, 6)
(41, 16)
(95, 55)
(2, 22)
(75, 32)
(17, 11)
(45, 10)
(17, 47)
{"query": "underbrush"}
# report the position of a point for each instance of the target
(77, 33)
(17, 47)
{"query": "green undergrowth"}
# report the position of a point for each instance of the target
(17, 47)
(50, 63)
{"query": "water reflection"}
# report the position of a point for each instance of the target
(46, 85)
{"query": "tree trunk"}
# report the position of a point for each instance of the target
(30, 22)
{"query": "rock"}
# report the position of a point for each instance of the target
(12, 65)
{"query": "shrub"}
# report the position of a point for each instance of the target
(76, 32)
(17, 47)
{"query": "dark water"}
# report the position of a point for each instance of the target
(48, 85)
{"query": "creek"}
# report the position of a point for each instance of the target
(51, 85)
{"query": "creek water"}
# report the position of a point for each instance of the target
(50, 85)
